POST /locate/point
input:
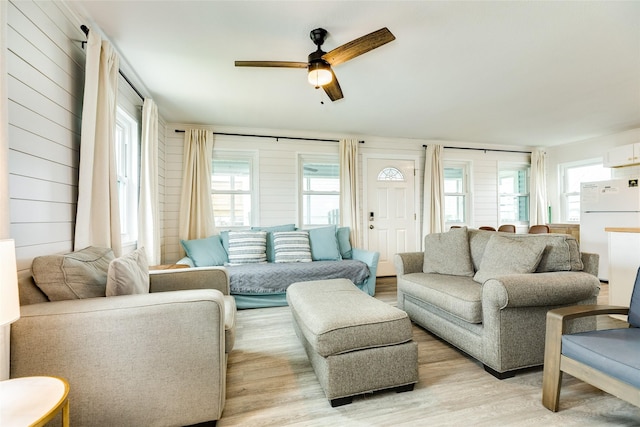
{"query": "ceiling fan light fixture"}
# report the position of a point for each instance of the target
(319, 73)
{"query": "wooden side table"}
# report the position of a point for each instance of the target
(33, 401)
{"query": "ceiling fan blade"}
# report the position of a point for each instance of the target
(332, 89)
(358, 46)
(282, 64)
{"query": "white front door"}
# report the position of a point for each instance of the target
(391, 219)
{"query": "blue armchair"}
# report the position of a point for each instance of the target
(607, 359)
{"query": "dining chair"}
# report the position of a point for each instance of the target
(507, 228)
(539, 229)
(486, 227)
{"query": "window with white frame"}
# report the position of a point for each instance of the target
(572, 175)
(513, 193)
(231, 189)
(127, 144)
(320, 190)
(456, 193)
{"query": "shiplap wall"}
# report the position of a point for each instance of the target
(277, 173)
(45, 66)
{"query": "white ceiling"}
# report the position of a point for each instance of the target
(525, 73)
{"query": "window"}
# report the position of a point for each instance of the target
(320, 195)
(231, 189)
(456, 193)
(513, 194)
(572, 175)
(127, 142)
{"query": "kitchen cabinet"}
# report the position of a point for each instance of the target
(624, 260)
(624, 155)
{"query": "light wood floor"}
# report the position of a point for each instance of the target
(271, 383)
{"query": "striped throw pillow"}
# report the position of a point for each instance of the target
(246, 247)
(292, 246)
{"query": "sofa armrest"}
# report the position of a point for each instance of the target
(540, 289)
(590, 262)
(371, 259)
(189, 278)
(408, 262)
(151, 359)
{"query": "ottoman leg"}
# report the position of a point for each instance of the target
(341, 401)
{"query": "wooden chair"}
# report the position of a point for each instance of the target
(486, 227)
(538, 229)
(507, 228)
(607, 359)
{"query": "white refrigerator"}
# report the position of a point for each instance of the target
(614, 203)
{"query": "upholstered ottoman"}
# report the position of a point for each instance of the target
(356, 343)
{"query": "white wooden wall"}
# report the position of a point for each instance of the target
(45, 65)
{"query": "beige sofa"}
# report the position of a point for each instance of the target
(156, 359)
(498, 318)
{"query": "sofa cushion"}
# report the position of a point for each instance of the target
(324, 244)
(504, 255)
(247, 247)
(205, 252)
(344, 242)
(80, 274)
(448, 253)
(562, 252)
(292, 246)
(271, 254)
(459, 296)
(128, 274)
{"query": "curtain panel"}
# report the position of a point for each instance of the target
(538, 213)
(196, 208)
(98, 215)
(148, 210)
(349, 193)
(433, 198)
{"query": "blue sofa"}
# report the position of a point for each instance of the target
(264, 284)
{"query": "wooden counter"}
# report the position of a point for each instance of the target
(622, 230)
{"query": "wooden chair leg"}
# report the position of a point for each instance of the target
(552, 375)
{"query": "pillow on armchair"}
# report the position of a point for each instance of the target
(128, 274)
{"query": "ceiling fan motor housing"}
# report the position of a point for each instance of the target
(318, 36)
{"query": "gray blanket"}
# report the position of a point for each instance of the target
(276, 277)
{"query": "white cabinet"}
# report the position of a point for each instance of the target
(624, 260)
(625, 155)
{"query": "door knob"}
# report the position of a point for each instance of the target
(371, 227)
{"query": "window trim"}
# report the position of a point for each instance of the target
(564, 195)
(514, 166)
(252, 158)
(466, 183)
(129, 212)
(303, 158)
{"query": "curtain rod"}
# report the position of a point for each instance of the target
(85, 30)
(272, 136)
(485, 149)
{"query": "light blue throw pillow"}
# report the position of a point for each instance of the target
(271, 253)
(324, 244)
(205, 252)
(344, 244)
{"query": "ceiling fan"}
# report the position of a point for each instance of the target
(319, 62)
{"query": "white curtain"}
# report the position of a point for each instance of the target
(538, 213)
(148, 215)
(349, 194)
(98, 216)
(433, 198)
(196, 209)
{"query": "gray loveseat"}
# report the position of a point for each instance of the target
(137, 360)
(488, 293)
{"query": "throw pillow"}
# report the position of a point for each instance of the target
(292, 246)
(80, 274)
(344, 244)
(271, 254)
(324, 244)
(128, 274)
(246, 247)
(205, 252)
(504, 255)
(448, 253)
